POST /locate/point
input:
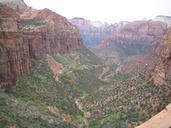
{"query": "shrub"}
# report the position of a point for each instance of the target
(35, 21)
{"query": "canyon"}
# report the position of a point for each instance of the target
(49, 78)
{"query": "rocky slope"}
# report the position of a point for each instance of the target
(93, 32)
(30, 36)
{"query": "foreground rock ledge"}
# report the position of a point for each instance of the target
(161, 120)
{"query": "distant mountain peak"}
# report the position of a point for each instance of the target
(166, 19)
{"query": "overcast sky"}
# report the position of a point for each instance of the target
(106, 10)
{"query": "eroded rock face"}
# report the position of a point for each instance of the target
(18, 5)
(29, 37)
(156, 63)
(162, 69)
(135, 37)
(52, 33)
(14, 53)
(14, 57)
(144, 28)
(93, 32)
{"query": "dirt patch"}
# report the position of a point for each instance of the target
(54, 66)
(105, 70)
(54, 110)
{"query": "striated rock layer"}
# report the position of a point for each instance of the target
(29, 37)
(134, 38)
(93, 32)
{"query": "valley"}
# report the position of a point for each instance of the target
(77, 73)
(80, 98)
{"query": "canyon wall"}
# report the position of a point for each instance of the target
(28, 37)
(93, 32)
(162, 68)
(132, 38)
(156, 63)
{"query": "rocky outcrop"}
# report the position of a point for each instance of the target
(93, 32)
(29, 37)
(14, 52)
(135, 37)
(161, 120)
(18, 5)
(162, 69)
(14, 57)
(50, 33)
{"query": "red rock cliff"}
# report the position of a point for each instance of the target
(142, 32)
(156, 63)
(131, 38)
(162, 69)
(14, 53)
(18, 5)
(36, 34)
(49, 33)
(93, 32)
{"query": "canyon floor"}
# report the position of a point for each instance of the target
(79, 90)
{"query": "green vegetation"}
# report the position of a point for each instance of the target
(64, 78)
(35, 21)
(80, 98)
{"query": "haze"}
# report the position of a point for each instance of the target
(106, 10)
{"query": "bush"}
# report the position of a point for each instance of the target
(64, 77)
(35, 21)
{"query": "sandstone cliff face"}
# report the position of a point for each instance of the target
(93, 32)
(162, 69)
(135, 37)
(29, 37)
(14, 53)
(137, 32)
(144, 28)
(15, 57)
(18, 5)
(54, 33)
